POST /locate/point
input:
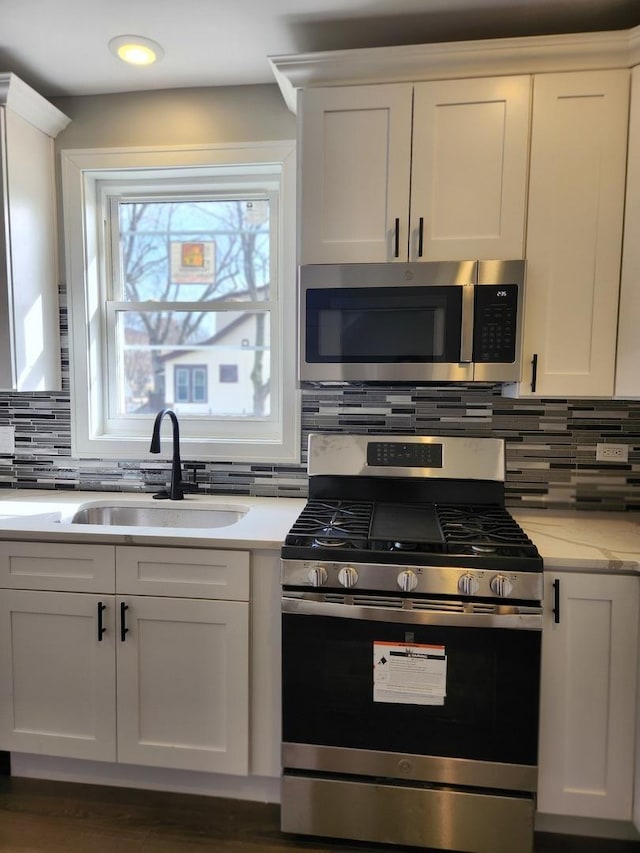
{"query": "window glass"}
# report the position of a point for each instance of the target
(199, 384)
(233, 346)
(228, 373)
(195, 250)
(181, 281)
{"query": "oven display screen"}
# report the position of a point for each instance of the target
(382, 454)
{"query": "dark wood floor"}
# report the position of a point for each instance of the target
(62, 817)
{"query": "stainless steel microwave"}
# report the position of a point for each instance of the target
(439, 321)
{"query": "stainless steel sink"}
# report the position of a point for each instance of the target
(158, 516)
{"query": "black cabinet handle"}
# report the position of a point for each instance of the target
(123, 621)
(556, 601)
(534, 371)
(397, 239)
(420, 236)
(101, 629)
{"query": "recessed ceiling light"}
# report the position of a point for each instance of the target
(136, 50)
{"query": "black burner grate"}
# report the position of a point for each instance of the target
(483, 530)
(332, 524)
(409, 531)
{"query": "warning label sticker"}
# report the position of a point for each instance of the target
(409, 673)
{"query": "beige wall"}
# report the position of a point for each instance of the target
(170, 117)
(176, 117)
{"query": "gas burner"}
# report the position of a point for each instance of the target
(483, 549)
(489, 529)
(403, 546)
(332, 524)
(330, 543)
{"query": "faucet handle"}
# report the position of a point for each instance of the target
(190, 484)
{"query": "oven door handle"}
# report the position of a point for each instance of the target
(524, 619)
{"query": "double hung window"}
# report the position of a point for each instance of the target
(182, 295)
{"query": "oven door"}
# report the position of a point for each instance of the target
(463, 711)
(368, 323)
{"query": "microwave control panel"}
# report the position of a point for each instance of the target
(495, 323)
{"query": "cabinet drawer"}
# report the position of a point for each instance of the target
(183, 572)
(57, 566)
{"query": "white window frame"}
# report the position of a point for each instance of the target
(84, 175)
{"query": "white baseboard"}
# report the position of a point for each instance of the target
(587, 826)
(254, 788)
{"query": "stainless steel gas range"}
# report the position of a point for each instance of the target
(411, 620)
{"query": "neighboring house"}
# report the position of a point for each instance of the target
(216, 378)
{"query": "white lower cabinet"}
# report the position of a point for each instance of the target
(183, 684)
(588, 695)
(58, 681)
(151, 680)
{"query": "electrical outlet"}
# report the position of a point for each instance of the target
(612, 452)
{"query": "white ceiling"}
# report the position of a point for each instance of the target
(60, 46)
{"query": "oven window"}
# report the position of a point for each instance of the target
(490, 712)
(383, 324)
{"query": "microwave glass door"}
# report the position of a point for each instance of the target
(383, 325)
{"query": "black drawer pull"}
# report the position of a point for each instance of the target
(534, 371)
(101, 629)
(420, 236)
(397, 240)
(123, 621)
(556, 601)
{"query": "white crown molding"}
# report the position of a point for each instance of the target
(32, 107)
(482, 58)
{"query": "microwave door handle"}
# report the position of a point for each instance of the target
(466, 332)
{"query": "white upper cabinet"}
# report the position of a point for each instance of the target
(627, 370)
(431, 171)
(29, 326)
(469, 169)
(574, 233)
(356, 161)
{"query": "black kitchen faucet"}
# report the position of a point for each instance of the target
(176, 490)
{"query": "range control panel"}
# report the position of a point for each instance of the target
(383, 454)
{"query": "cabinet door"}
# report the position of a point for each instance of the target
(628, 354)
(183, 684)
(588, 696)
(29, 338)
(355, 161)
(469, 168)
(574, 235)
(58, 676)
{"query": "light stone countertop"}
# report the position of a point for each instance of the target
(582, 540)
(566, 539)
(45, 515)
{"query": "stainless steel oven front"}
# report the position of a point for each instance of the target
(433, 321)
(410, 721)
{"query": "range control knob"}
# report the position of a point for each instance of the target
(407, 580)
(468, 584)
(317, 575)
(501, 586)
(348, 576)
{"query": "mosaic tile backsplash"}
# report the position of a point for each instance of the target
(551, 444)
